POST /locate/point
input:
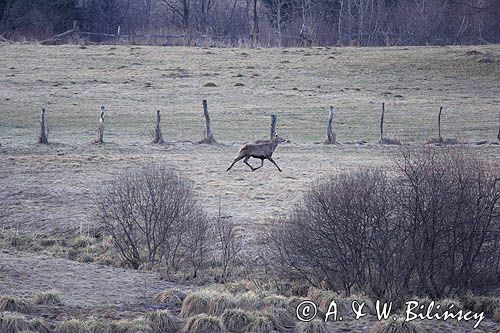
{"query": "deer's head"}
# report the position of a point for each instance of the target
(279, 139)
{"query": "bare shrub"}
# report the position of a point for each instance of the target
(431, 226)
(449, 203)
(153, 217)
(228, 242)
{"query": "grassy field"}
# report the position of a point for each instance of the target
(52, 190)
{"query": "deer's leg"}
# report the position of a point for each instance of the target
(261, 164)
(235, 160)
(272, 161)
(246, 162)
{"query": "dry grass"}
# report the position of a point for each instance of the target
(204, 324)
(260, 324)
(323, 298)
(207, 301)
(496, 315)
(170, 297)
(164, 322)
(140, 325)
(48, 298)
(486, 304)
(399, 326)
(236, 320)
(281, 318)
(313, 326)
(71, 326)
(14, 305)
(13, 323)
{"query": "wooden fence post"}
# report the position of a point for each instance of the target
(498, 136)
(42, 138)
(274, 120)
(440, 138)
(158, 137)
(100, 129)
(331, 136)
(209, 138)
(382, 124)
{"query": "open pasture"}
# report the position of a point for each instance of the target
(54, 187)
(51, 190)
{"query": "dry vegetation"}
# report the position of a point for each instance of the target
(49, 193)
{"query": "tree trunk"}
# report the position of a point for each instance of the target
(185, 15)
(42, 138)
(208, 139)
(274, 120)
(339, 41)
(255, 28)
(331, 136)
(100, 130)
(158, 137)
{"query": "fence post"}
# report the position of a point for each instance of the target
(42, 138)
(382, 124)
(274, 120)
(100, 129)
(331, 136)
(158, 137)
(208, 139)
(440, 138)
(498, 136)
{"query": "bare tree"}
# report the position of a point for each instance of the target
(180, 8)
(151, 213)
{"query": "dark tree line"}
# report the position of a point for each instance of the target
(273, 23)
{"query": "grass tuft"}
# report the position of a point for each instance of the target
(204, 324)
(281, 318)
(71, 326)
(236, 320)
(169, 297)
(13, 323)
(399, 326)
(164, 322)
(14, 305)
(261, 324)
(313, 326)
(207, 301)
(486, 304)
(49, 298)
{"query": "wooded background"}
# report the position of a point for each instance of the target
(264, 22)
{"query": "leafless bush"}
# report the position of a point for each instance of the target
(153, 217)
(432, 227)
(228, 243)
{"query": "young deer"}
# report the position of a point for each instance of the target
(261, 150)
